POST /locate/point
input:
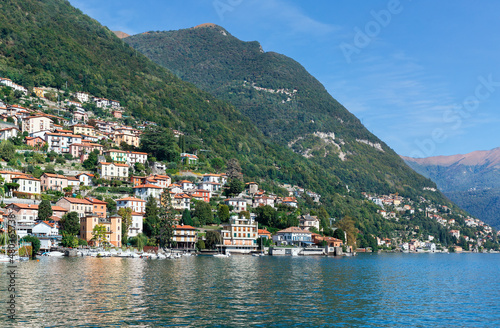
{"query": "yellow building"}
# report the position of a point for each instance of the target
(84, 129)
(129, 139)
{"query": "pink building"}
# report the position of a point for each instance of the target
(51, 181)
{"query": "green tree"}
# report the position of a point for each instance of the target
(235, 187)
(139, 167)
(339, 234)
(266, 215)
(166, 220)
(212, 239)
(44, 210)
(347, 225)
(70, 224)
(111, 205)
(160, 143)
(7, 150)
(99, 234)
(91, 162)
(126, 214)
(69, 241)
(35, 244)
(203, 211)
(223, 212)
(186, 217)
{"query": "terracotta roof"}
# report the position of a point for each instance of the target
(294, 230)
(186, 227)
(52, 175)
(95, 200)
(131, 199)
(77, 200)
(25, 206)
(25, 177)
(58, 208)
(263, 232)
(147, 186)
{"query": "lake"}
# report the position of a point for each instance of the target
(369, 290)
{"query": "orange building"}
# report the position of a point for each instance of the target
(98, 207)
(112, 227)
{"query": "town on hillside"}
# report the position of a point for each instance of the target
(79, 171)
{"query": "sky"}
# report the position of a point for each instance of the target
(423, 76)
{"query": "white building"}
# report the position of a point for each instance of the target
(112, 170)
(137, 224)
(293, 235)
(238, 204)
(146, 190)
(136, 204)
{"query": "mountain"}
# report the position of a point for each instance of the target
(284, 101)
(277, 134)
(121, 34)
(471, 180)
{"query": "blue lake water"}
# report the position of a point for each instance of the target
(369, 290)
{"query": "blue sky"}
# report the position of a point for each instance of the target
(423, 76)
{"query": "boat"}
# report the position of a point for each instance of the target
(54, 254)
(222, 255)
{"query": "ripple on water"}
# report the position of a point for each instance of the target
(429, 290)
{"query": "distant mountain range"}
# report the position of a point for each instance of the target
(471, 180)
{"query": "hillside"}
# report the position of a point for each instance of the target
(471, 180)
(50, 43)
(284, 101)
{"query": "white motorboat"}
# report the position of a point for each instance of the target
(55, 254)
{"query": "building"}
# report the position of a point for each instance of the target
(33, 124)
(307, 222)
(51, 181)
(23, 212)
(98, 207)
(113, 170)
(253, 187)
(81, 206)
(263, 233)
(293, 236)
(82, 150)
(35, 142)
(82, 96)
(112, 227)
(186, 185)
(28, 185)
(181, 202)
(184, 236)
(85, 179)
(117, 113)
(60, 142)
(189, 158)
(83, 129)
(239, 235)
(8, 133)
(200, 194)
(209, 186)
(136, 204)
(101, 102)
(146, 190)
(211, 178)
(131, 140)
(238, 204)
(137, 224)
(329, 241)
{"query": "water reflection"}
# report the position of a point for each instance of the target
(369, 290)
